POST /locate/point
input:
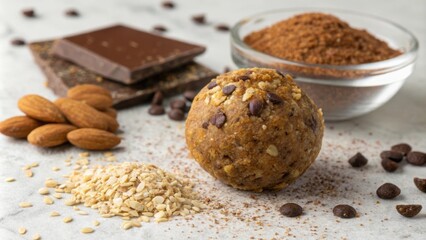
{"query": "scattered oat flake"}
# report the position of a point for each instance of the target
(67, 219)
(10, 179)
(43, 191)
(29, 173)
(86, 230)
(50, 183)
(25, 204)
(55, 214)
(82, 213)
(34, 164)
(96, 223)
(48, 200)
(55, 169)
(57, 195)
(36, 236)
(22, 230)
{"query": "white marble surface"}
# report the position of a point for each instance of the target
(160, 141)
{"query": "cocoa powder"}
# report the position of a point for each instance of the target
(319, 38)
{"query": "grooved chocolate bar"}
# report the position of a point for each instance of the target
(62, 75)
(125, 54)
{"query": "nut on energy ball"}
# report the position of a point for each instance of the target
(254, 129)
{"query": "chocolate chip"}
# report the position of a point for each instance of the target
(416, 158)
(222, 28)
(212, 84)
(72, 13)
(158, 98)
(420, 184)
(255, 107)
(178, 104)
(199, 19)
(389, 165)
(229, 89)
(410, 210)
(404, 148)
(244, 77)
(189, 95)
(176, 114)
(358, 160)
(218, 119)
(280, 73)
(160, 28)
(205, 125)
(388, 191)
(392, 155)
(17, 42)
(168, 4)
(291, 210)
(30, 13)
(344, 211)
(156, 110)
(274, 98)
(311, 122)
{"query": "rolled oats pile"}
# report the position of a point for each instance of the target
(132, 190)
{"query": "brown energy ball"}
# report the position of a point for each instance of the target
(254, 129)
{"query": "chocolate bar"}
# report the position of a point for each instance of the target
(125, 54)
(62, 75)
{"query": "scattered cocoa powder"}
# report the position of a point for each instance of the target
(319, 38)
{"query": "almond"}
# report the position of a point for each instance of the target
(110, 112)
(82, 115)
(18, 127)
(50, 135)
(98, 101)
(112, 123)
(87, 89)
(40, 108)
(93, 139)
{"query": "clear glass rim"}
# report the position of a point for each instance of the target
(406, 57)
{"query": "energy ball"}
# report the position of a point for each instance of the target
(254, 129)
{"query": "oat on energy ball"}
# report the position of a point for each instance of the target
(263, 134)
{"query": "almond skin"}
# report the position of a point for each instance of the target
(50, 135)
(81, 114)
(98, 101)
(18, 127)
(40, 108)
(110, 112)
(87, 89)
(93, 139)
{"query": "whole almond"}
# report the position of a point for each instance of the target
(81, 114)
(93, 139)
(18, 127)
(87, 89)
(50, 135)
(99, 101)
(112, 123)
(110, 112)
(40, 108)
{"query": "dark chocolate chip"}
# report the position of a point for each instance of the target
(358, 160)
(255, 107)
(160, 28)
(178, 104)
(222, 28)
(199, 19)
(218, 119)
(344, 211)
(205, 125)
(30, 13)
(410, 210)
(291, 210)
(212, 84)
(244, 77)
(158, 98)
(416, 158)
(189, 95)
(274, 98)
(389, 165)
(168, 4)
(72, 13)
(420, 184)
(176, 114)
(17, 42)
(392, 155)
(404, 148)
(280, 73)
(388, 191)
(156, 110)
(229, 89)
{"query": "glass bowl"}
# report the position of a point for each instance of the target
(343, 92)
